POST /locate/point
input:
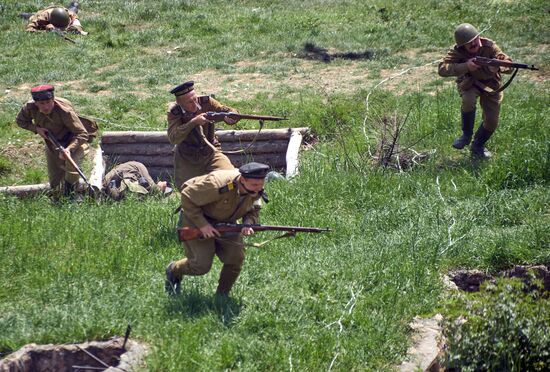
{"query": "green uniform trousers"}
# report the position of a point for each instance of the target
(185, 169)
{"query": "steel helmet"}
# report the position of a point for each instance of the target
(60, 18)
(465, 33)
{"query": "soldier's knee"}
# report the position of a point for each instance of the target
(199, 268)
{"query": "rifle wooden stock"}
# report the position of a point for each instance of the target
(192, 233)
(219, 116)
(482, 61)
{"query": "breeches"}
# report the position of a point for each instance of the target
(185, 168)
(62, 170)
(490, 106)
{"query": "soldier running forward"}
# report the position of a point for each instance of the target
(46, 113)
(475, 81)
(55, 18)
(198, 150)
(220, 196)
(134, 177)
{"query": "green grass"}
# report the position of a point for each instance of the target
(339, 301)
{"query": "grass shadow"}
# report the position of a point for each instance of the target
(193, 304)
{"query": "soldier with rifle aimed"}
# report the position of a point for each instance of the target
(211, 205)
(478, 63)
(66, 136)
(191, 128)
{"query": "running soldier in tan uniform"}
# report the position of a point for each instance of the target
(475, 81)
(188, 128)
(132, 176)
(220, 196)
(46, 113)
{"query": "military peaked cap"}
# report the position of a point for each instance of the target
(183, 88)
(254, 170)
(42, 92)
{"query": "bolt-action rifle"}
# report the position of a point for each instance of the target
(482, 61)
(192, 233)
(60, 148)
(219, 116)
(62, 35)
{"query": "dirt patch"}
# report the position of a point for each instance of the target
(471, 280)
(113, 355)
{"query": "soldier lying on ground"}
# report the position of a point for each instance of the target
(55, 18)
(133, 177)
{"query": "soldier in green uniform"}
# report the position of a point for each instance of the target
(475, 81)
(46, 113)
(134, 177)
(197, 148)
(220, 196)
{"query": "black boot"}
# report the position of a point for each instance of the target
(25, 15)
(468, 119)
(478, 146)
(73, 7)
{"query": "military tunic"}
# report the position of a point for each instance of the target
(193, 157)
(39, 20)
(130, 171)
(471, 84)
(65, 125)
(213, 198)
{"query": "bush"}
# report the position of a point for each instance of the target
(508, 330)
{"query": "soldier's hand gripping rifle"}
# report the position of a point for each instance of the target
(192, 233)
(61, 149)
(482, 61)
(219, 116)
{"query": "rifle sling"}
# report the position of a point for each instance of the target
(488, 90)
(285, 235)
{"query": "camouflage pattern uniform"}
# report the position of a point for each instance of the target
(65, 125)
(39, 20)
(193, 157)
(214, 198)
(471, 85)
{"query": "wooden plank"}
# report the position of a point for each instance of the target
(147, 160)
(98, 171)
(162, 173)
(146, 148)
(292, 153)
(276, 161)
(259, 147)
(134, 137)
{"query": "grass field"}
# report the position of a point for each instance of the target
(338, 301)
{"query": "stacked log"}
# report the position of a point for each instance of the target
(154, 150)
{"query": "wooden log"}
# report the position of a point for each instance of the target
(292, 154)
(276, 161)
(154, 148)
(134, 137)
(162, 173)
(25, 190)
(223, 135)
(258, 147)
(147, 160)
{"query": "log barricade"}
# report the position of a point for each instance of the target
(276, 147)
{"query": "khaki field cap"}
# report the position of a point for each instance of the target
(465, 33)
(60, 18)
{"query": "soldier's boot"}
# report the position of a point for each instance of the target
(73, 7)
(172, 285)
(25, 15)
(228, 277)
(478, 145)
(468, 119)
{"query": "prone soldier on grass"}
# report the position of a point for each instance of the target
(47, 115)
(220, 196)
(55, 18)
(475, 81)
(197, 148)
